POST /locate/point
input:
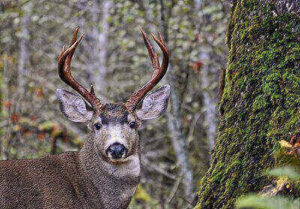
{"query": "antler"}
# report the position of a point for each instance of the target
(158, 71)
(64, 72)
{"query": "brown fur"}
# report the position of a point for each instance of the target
(56, 181)
(114, 113)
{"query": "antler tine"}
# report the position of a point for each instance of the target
(161, 38)
(158, 72)
(164, 49)
(153, 56)
(73, 41)
(64, 72)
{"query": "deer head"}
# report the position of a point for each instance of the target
(114, 126)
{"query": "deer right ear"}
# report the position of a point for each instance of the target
(154, 104)
(73, 106)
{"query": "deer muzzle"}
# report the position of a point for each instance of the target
(116, 151)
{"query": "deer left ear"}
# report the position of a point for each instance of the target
(154, 104)
(73, 106)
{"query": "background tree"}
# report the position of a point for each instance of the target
(260, 103)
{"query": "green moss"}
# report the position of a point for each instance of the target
(259, 104)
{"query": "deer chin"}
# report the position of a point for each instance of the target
(118, 161)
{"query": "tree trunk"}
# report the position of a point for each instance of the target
(22, 71)
(260, 99)
(102, 43)
(99, 49)
(209, 102)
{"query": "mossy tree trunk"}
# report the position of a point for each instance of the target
(260, 100)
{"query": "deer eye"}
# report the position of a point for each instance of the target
(132, 124)
(97, 126)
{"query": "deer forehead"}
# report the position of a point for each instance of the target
(114, 113)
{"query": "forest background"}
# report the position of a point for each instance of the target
(176, 149)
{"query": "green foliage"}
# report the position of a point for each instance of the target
(289, 172)
(259, 202)
(48, 125)
(268, 200)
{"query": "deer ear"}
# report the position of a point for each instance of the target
(73, 106)
(154, 104)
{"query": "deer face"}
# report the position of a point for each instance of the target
(114, 127)
(115, 132)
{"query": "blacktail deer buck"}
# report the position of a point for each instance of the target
(106, 171)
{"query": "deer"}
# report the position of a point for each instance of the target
(105, 172)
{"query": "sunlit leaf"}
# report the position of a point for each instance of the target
(285, 144)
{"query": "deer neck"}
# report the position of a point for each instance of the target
(116, 184)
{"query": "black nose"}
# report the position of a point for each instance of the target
(116, 150)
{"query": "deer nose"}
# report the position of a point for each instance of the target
(116, 150)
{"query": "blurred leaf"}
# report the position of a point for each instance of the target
(16, 128)
(288, 172)
(56, 131)
(278, 202)
(142, 195)
(47, 125)
(26, 120)
(41, 136)
(14, 117)
(39, 91)
(6, 104)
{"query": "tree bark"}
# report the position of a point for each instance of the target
(102, 43)
(22, 71)
(260, 100)
(99, 50)
(209, 102)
